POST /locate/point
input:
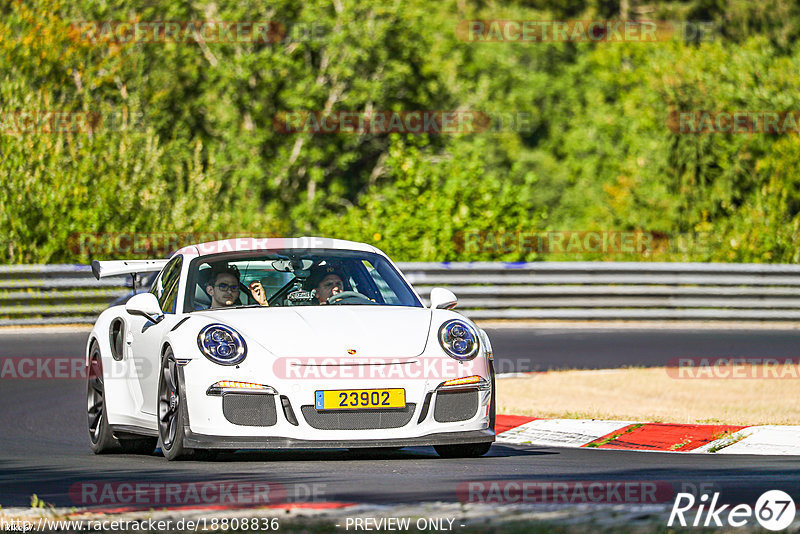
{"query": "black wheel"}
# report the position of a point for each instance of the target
(170, 410)
(143, 445)
(468, 450)
(101, 439)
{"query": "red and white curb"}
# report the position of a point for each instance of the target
(639, 436)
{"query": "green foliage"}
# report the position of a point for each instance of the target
(36, 502)
(195, 148)
(442, 193)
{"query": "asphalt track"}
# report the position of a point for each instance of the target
(43, 446)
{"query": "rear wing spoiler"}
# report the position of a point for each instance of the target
(101, 269)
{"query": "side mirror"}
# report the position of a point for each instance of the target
(443, 299)
(146, 305)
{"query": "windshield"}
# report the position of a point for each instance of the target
(294, 277)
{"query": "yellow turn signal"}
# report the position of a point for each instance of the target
(467, 380)
(231, 386)
(239, 385)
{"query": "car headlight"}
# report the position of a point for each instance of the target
(459, 340)
(222, 344)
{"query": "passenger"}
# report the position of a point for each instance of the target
(223, 287)
(325, 281)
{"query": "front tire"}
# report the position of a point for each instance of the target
(468, 450)
(170, 410)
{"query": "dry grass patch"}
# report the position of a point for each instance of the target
(652, 395)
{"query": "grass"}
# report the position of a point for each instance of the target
(651, 395)
(36, 502)
(612, 437)
(736, 439)
(680, 445)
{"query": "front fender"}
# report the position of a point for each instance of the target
(182, 338)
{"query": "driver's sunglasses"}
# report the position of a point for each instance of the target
(228, 287)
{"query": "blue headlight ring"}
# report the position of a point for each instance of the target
(468, 335)
(211, 347)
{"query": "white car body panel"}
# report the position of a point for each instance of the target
(330, 331)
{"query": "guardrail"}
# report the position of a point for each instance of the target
(616, 290)
(60, 294)
(55, 294)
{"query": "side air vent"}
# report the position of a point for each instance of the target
(116, 334)
(423, 413)
(287, 410)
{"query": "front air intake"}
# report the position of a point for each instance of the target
(249, 410)
(357, 419)
(452, 406)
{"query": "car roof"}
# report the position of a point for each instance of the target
(245, 244)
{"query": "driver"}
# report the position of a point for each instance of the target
(223, 287)
(326, 282)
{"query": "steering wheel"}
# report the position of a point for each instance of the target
(350, 297)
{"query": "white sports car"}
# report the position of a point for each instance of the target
(285, 343)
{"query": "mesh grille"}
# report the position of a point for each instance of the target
(455, 406)
(358, 419)
(250, 410)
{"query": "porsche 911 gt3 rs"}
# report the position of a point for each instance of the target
(285, 343)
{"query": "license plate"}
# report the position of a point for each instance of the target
(359, 399)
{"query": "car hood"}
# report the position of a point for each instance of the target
(331, 331)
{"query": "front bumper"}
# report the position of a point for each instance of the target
(204, 441)
(206, 425)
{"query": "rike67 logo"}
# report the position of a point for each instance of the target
(774, 510)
